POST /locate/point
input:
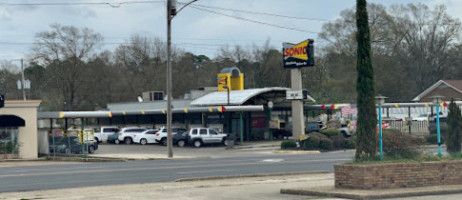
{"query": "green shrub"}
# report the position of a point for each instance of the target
(288, 144)
(7, 147)
(317, 135)
(443, 129)
(330, 132)
(419, 140)
(454, 136)
(349, 143)
(310, 144)
(433, 139)
(338, 141)
(2, 147)
(399, 145)
(326, 144)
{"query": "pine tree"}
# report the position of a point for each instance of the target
(366, 140)
(453, 142)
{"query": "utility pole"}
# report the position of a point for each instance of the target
(22, 82)
(169, 79)
(171, 12)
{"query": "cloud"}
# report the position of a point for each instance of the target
(21, 23)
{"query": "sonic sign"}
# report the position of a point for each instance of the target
(298, 55)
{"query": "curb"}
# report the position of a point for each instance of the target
(246, 176)
(297, 151)
(331, 191)
(23, 160)
(89, 159)
(252, 147)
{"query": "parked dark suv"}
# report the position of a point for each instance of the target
(181, 139)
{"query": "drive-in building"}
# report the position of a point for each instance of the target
(18, 129)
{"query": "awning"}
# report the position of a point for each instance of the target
(236, 97)
(11, 121)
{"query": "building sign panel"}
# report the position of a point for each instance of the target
(298, 55)
(294, 94)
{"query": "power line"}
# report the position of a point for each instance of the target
(114, 5)
(254, 21)
(261, 13)
(122, 43)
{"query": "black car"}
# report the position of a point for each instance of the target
(68, 145)
(281, 134)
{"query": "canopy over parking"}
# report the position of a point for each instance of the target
(243, 97)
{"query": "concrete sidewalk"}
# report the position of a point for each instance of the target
(295, 186)
(331, 191)
(241, 188)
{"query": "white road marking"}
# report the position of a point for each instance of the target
(273, 160)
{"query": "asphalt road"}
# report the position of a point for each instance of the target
(44, 177)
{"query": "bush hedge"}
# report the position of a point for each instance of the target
(399, 145)
(288, 144)
(337, 141)
(349, 143)
(433, 139)
(443, 130)
(330, 132)
(317, 135)
(325, 144)
(310, 144)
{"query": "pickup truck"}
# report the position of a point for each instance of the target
(199, 136)
(104, 132)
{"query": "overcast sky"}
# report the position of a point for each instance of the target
(194, 30)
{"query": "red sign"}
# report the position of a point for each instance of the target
(258, 122)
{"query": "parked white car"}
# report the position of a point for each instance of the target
(161, 134)
(146, 137)
(421, 117)
(428, 117)
(127, 134)
(104, 132)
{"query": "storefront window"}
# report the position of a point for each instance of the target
(8, 140)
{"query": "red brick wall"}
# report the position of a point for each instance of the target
(398, 175)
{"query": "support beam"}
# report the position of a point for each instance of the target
(298, 127)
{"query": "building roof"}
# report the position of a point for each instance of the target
(150, 105)
(236, 97)
(454, 84)
(457, 84)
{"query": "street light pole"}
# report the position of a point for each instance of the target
(380, 99)
(171, 12)
(270, 113)
(438, 128)
(437, 99)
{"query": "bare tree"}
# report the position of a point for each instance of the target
(63, 50)
(423, 39)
